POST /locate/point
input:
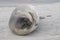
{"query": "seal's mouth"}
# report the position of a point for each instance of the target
(23, 23)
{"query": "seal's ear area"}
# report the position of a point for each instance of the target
(30, 14)
(34, 17)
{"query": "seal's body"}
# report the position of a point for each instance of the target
(24, 20)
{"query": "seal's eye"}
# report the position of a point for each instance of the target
(24, 22)
(20, 20)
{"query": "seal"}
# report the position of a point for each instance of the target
(24, 19)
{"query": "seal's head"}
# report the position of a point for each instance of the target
(23, 22)
(23, 19)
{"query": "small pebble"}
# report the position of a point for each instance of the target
(49, 15)
(42, 17)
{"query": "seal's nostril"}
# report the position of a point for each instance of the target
(29, 23)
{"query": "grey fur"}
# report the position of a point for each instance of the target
(24, 20)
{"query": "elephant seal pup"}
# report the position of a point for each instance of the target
(24, 20)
